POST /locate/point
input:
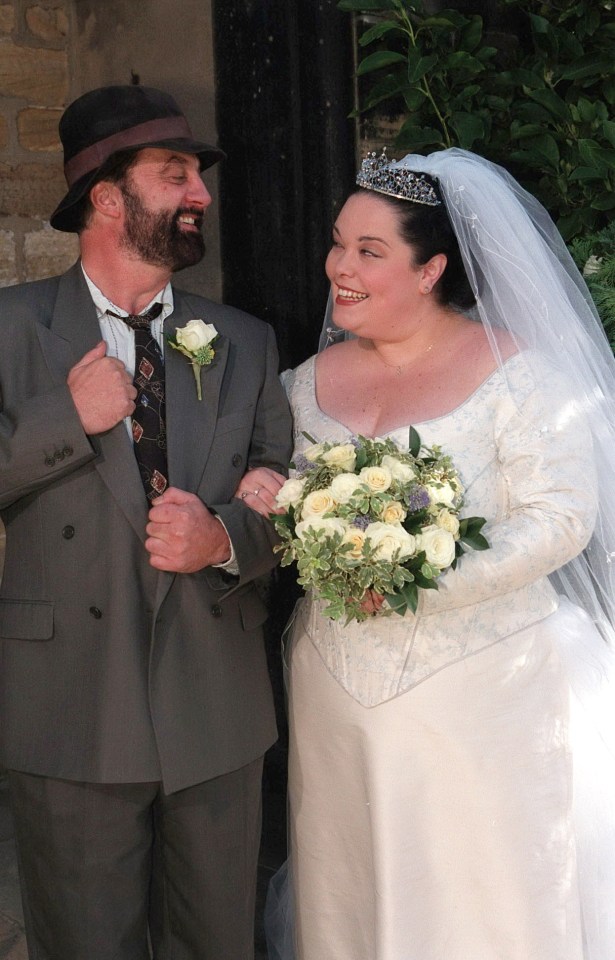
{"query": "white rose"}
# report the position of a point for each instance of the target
(377, 479)
(328, 525)
(313, 452)
(390, 541)
(290, 492)
(393, 512)
(447, 521)
(343, 456)
(317, 503)
(356, 537)
(195, 335)
(400, 471)
(438, 544)
(441, 493)
(343, 486)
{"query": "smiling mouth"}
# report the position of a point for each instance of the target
(190, 220)
(344, 294)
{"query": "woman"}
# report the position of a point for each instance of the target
(436, 813)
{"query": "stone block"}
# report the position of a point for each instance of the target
(48, 252)
(30, 189)
(7, 17)
(47, 24)
(8, 272)
(38, 129)
(37, 75)
(4, 133)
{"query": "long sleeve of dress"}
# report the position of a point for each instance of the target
(547, 502)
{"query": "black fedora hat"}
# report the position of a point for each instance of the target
(103, 121)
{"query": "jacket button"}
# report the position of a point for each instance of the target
(58, 455)
(68, 532)
(67, 451)
(96, 613)
(49, 461)
(237, 459)
(216, 610)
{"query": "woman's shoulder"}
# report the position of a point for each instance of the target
(296, 376)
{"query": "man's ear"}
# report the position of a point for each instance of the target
(106, 198)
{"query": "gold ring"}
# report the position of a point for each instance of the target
(257, 491)
(246, 493)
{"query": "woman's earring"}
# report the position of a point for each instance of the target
(426, 288)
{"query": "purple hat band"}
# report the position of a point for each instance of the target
(167, 128)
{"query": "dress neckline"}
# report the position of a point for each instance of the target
(419, 423)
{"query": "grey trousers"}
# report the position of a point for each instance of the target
(125, 872)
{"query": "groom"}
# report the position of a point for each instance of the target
(135, 705)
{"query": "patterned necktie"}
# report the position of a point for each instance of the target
(148, 420)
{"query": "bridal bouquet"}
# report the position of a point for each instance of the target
(368, 516)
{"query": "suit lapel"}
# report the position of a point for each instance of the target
(75, 321)
(190, 422)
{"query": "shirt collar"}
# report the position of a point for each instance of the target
(102, 303)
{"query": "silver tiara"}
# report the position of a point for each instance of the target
(379, 174)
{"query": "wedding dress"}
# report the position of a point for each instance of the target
(451, 774)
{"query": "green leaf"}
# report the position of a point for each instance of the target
(539, 24)
(413, 137)
(588, 66)
(377, 31)
(545, 147)
(389, 86)
(593, 154)
(468, 127)
(414, 442)
(471, 35)
(476, 541)
(464, 62)
(416, 71)
(414, 98)
(447, 18)
(375, 61)
(604, 203)
(608, 129)
(551, 102)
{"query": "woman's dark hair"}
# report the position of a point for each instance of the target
(114, 170)
(428, 231)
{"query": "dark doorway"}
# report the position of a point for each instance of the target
(284, 72)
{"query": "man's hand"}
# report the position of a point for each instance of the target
(102, 390)
(183, 535)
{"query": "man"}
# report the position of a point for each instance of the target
(135, 704)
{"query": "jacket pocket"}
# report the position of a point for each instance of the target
(26, 620)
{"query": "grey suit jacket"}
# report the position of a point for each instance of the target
(109, 670)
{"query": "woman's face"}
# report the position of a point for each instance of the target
(374, 284)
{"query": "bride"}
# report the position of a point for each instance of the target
(451, 773)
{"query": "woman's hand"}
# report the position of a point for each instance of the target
(258, 489)
(372, 602)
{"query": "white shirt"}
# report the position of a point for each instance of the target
(120, 340)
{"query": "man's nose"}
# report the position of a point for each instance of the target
(198, 193)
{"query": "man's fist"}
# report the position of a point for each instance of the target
(102, 390)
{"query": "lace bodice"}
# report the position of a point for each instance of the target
(527, 468)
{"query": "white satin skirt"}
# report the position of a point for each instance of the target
(444, 824)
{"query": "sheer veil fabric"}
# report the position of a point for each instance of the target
(526, 283)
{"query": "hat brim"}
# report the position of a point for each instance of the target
(65, 216)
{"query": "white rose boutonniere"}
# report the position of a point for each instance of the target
(195, 340)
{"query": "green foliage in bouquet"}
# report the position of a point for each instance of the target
(366, 516)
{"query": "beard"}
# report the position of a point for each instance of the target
(156, 237)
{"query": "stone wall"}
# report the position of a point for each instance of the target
(34, 88)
